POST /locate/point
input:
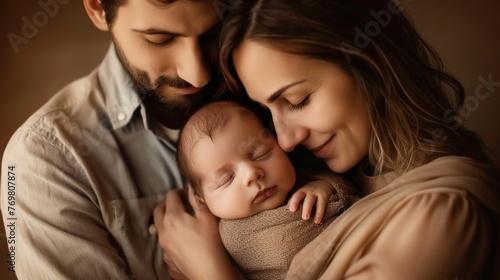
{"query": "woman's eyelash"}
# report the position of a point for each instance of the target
(301, 105)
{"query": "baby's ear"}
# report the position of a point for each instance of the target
(196, 194)
(199, 197)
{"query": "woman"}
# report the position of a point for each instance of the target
(353, 82)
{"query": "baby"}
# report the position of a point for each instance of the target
(236, 167)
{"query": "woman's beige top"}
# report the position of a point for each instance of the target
(438, 221)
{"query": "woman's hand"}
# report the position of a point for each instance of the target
(191, 243)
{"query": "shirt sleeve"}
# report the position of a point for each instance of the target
(58, 231)
(440, 235)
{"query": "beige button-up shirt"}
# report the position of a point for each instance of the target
(87, 170)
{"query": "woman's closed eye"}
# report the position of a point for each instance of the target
(300, 105)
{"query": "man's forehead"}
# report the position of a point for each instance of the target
(192, 17)
(207, 5)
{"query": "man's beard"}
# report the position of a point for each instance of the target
(152, 91)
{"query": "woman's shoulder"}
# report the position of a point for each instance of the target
(444, 175)
(445, 229)
(426, 202)
(440, 202)
(456, 191)
(452, 176)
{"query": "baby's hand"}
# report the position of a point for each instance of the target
(314, 193)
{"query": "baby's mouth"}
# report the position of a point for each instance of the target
(264, 194)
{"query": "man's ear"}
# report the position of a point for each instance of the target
(96, 14)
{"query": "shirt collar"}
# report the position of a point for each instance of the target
(122, 100)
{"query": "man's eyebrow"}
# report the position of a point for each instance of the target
(280, 91)
(157, 31)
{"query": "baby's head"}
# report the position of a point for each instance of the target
(233, 163)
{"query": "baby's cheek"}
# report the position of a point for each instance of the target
(228, 207)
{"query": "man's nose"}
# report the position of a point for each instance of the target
(193, 67)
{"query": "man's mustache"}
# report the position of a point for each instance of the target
(171, 82)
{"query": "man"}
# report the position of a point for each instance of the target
(93, 162)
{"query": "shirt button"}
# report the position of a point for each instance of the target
(121, 116)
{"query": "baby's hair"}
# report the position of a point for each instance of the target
(206, 122)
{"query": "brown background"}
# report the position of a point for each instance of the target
(464, 32)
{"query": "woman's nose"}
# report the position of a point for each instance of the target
(289, 135)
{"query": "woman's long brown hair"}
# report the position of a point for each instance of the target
(413, 103)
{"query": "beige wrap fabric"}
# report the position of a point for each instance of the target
(437, 221)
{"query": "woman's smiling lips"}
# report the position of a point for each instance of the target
(322, 150)
(264, 194)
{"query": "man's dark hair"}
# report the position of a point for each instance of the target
(111, 8)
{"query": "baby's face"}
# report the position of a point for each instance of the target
(243, 171)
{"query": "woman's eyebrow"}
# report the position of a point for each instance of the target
(280, 91)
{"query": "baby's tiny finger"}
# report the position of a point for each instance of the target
(309, 202)
(320, 211)
(293, 203)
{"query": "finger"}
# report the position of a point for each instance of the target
(167, 260)
(320, 210)
(295, 200)
(173, 271)
(193, 201)
(309, 202)
(174, 202)
(158, 215)
(175, 275)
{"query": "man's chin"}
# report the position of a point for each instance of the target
(180, 103)
(164, 99)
